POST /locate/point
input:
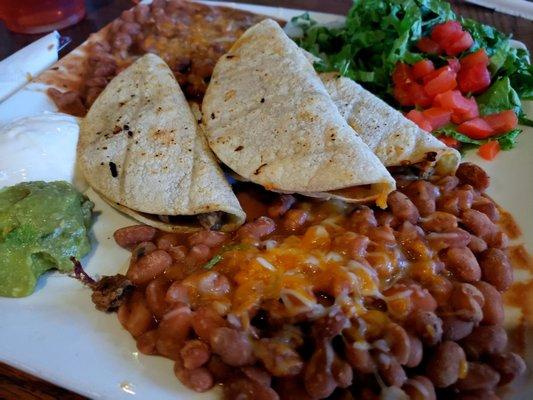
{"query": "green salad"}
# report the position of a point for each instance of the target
(380, 35)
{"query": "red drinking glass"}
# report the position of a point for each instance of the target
(38, 16)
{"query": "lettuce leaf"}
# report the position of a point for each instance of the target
(507, 141)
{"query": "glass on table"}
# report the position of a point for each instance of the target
(38, 16)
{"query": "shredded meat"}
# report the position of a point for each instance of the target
(110, 292)
(211, 221)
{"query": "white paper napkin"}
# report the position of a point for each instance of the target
(19, 68)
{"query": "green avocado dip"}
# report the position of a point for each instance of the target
(42, 225)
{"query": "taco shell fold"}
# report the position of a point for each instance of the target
(269, 118)
(142, 150)
(396, 140)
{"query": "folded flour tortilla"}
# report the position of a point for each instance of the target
(269, 118)
(142, 150)
(396, 140)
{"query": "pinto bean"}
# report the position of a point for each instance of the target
(351, 244)
(278, 358)
(318, 379)
(447, 183)
(282, 204)
(390, 370)
(258, 375)
(167, 241)
(509, 365)
(156, 296)
(147, 341)
(149, 267)
(419, 388)
(359, 357)
(210, 283)
(330, 325)
(142, 13)
(130, 28)
(232, 346)
(342, 372)
(474, 175)
(440, 288)
(199, 379)
(493, 305)
(439, 222)
(416, 352)
(499, 240)
(446, 364)
(257, 229)
(478, 224)
(427, 326)
(487, 207)
(402, 207)
(467, 302)
(173, 331)
(178, 253)
(221, 371)
(399, 342)
(134, 314)
(455, 201)
(177, 293)
(455, 329)
(477, 245)
(496, 269)
(248, 389)
(484, 340)
(205, 322)
(198, 254)
(194, 354)
(423, 195)
(208, 238)
(462, 263)
(131, 236)
(295, 219)
(454, 238)
(362, 219)
(478, 377)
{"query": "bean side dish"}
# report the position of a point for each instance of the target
(324, 300)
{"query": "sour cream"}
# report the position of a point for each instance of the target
(39, 148)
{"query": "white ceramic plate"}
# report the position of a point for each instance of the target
(58, 335)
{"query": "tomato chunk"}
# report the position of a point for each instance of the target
(418, 94)
(446, 33)
(489, 150)
(440, 81)
(476, 128)
(473, 79)
(462, 108)
(450, 142)
(454, 64)
(464, 42)
(502, 122)
(426, 45)
(403, 96)
(402, 74)
(437, 116)
(477, 57)
(418, 118)
(422, 68)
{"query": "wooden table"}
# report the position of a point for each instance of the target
(17, 385)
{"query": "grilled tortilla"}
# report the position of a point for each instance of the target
(396, 140)
(269, 118)
(141, 149)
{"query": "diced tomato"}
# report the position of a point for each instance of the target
(450, 142)
(462, 108)
(440, 81)
(470, 113)
(502, 122)
(426, 45)
(477, 57)
(446, 33)
(454, 64)
(489, 150)
(473, 78)
(403, 96)
(422, 68)
(402, 74)
(464, 42)
(476, 128)
(418, 95)
(437, 117)
(418, 118)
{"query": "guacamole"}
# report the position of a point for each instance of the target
(42, 225)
